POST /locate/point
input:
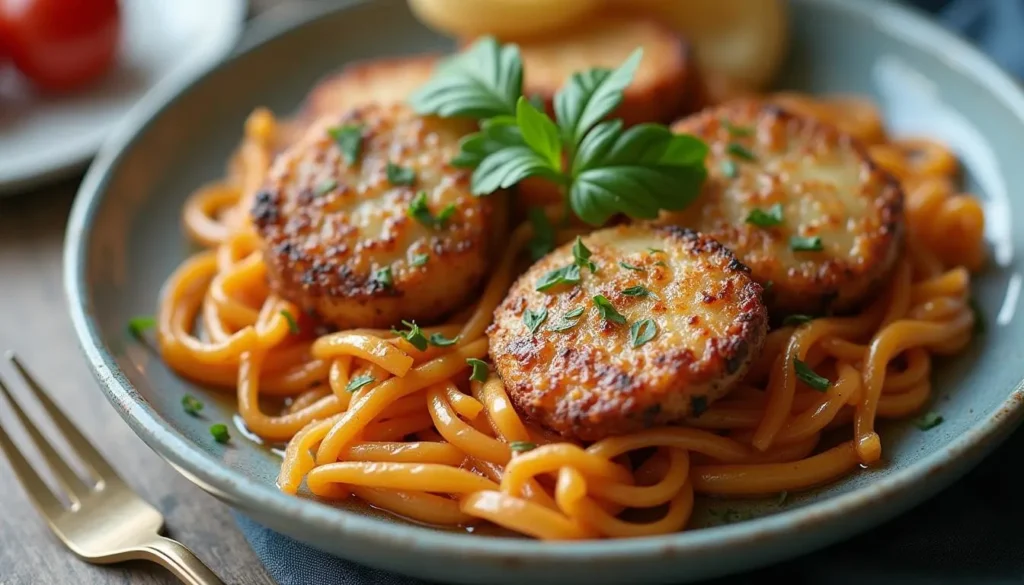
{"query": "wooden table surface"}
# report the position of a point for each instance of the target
(34, 322)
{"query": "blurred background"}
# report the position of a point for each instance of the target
(69, 69)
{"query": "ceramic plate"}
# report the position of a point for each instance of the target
(45, 138)
(125, 238)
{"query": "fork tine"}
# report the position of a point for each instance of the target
(33, 485)
(74, 486)
(92, 458)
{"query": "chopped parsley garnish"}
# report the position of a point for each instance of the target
(419, 211)
(979, 317)
(293, 325)
(326, 187)
(543, 240)
(534, 319)
(607, 310)
(569, 320)
(400, 175)
(350, 140)
(522, 446)
(642, 331)
(414, 335)
(358, 382)
(638, 291)
(138, 325)
(629, 266)
(740, 151)
(808, 376)
(581, 254)
(928, 421)
(797, 320)
(566, 275)
(734, 130)
(480, 370)
(191, 405)
(698, 405)
(220, 432)
(730, 169)
(420, 260)
(384, 277)
(802, 244)
(602, 167)
(766, 218)
(655, 250)
(440, 340)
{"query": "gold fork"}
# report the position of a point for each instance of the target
(107, 522)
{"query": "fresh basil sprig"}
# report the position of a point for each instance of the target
(602, 167)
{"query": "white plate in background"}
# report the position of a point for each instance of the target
(44, 138)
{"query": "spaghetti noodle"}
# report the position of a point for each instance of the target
(423, 441)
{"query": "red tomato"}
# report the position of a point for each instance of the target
(61, 45)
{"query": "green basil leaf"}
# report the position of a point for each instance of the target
(539, 133)
(480, 370)
(350, 140)
(808, 376)
(642, 331)
(507, 167)
(797, 320)
(638, 291)
(740, 151)
(138, 325)
(220, 433)
(420, 211)
(801, 244)
(521, 446)
(398, 175)
(293, 325)
(420, 260)
(638, 172)
(534, 319)
(607, 310)
(766, 218)
(383, 277)
(191, 405)
(358, 382)
(566, 275)
(414, 335)
(440, 340)
(483, 81)
(590, 96)
(581, 254)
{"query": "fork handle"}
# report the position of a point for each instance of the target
(178, 559)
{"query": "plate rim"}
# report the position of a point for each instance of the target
(941, 467)
(23, 182)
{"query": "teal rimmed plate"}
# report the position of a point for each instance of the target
(124, 239)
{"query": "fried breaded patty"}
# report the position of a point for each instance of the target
(386, 80)
(798, 202)
(691, 321)
(358, 248)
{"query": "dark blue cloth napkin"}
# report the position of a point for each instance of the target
(973, 533)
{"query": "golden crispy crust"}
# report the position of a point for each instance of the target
(827, 186)
(589, 381)
(329, 227)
